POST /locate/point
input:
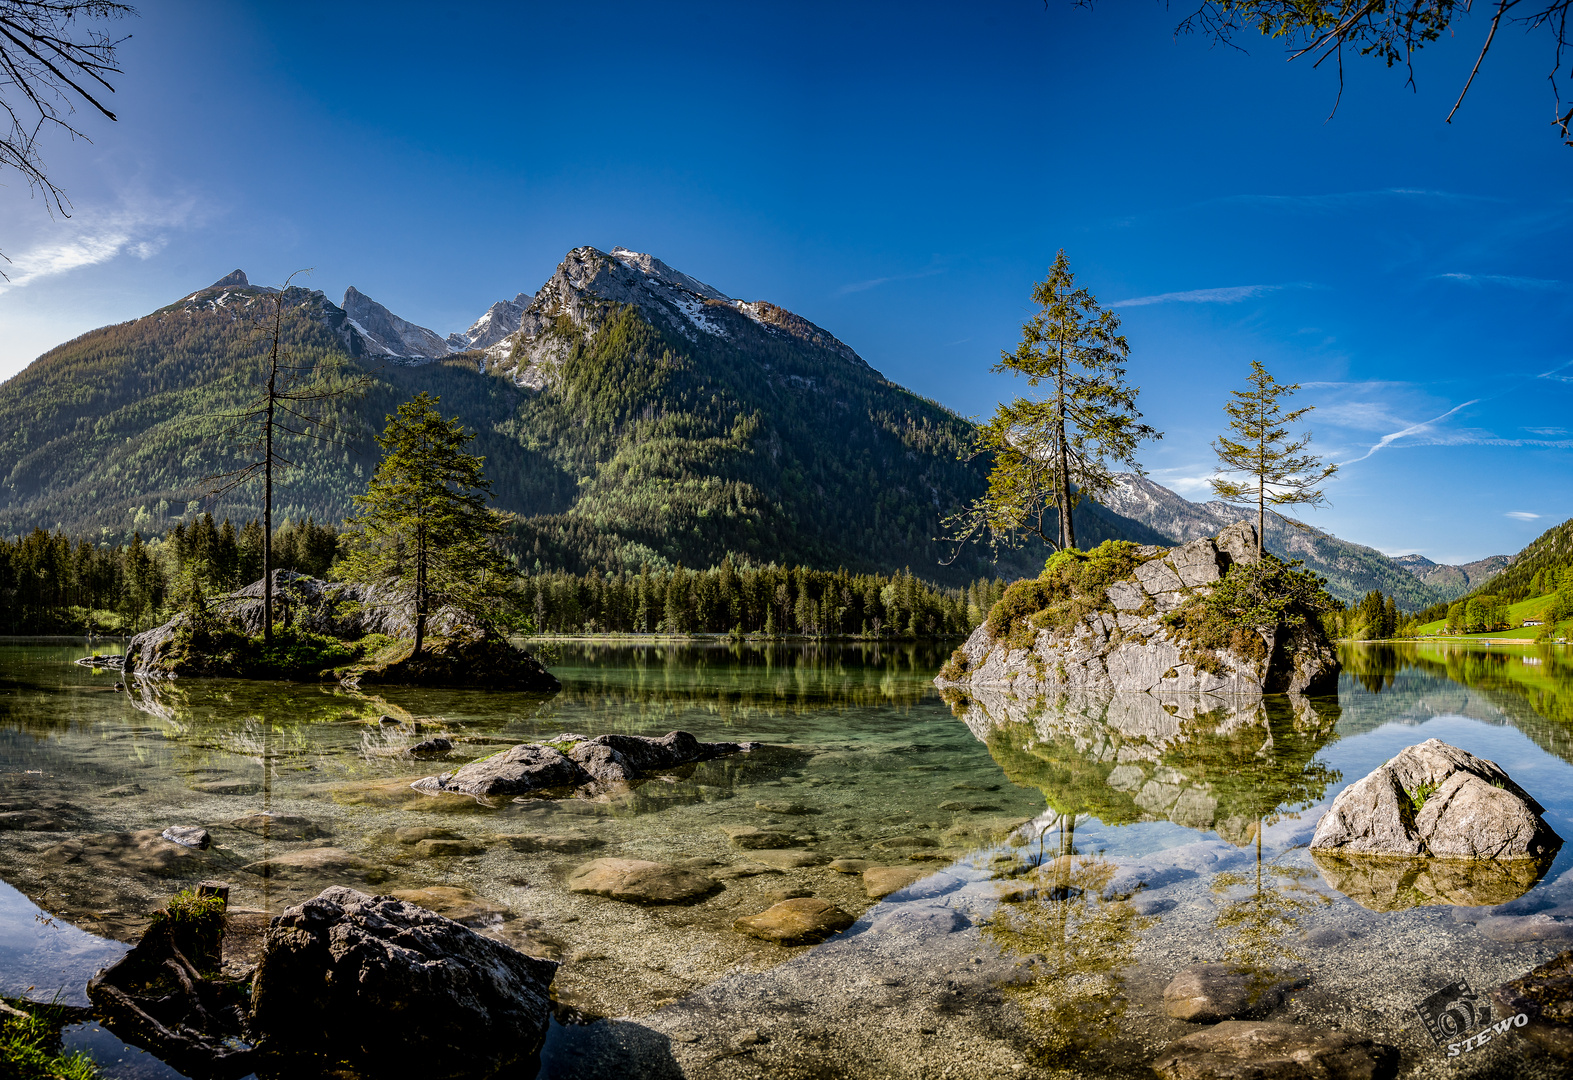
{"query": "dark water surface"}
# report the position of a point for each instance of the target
(1075, 853)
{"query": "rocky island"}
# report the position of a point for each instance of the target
(1212, 617)
(332, 630)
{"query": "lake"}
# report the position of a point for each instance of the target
(1067, 857)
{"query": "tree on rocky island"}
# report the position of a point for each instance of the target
(424, 522)
(1051, 452)
(293, 400)
(1265, 467)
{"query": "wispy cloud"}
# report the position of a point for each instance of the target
(1548, 432)
(1521, 515)
(1531, 284)
(1232, 294)
(92, 237)
(871, 283)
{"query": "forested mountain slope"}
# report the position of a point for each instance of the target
(635, 415)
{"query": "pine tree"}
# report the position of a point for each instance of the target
(1051, 452)
(424, 519)
(1273, 468)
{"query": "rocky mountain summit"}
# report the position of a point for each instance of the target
(1086, 634)
(384, 331)
(577, 298)
(527, 337)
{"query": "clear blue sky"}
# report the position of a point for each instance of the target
(899, 174)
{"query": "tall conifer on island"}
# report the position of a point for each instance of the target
(424, 522)
(1050, 452)
(1265, 467)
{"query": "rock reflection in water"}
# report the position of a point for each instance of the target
(1201, 761)
(1385, 883)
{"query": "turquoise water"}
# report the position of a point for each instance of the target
(1200, 817)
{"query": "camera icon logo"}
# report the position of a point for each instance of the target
(1454, 1012)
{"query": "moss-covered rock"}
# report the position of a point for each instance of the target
(465, 658)
(1211, 616)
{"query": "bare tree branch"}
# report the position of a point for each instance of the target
(49, 61)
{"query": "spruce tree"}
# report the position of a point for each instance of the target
(1270, 467)
(424, 521)
(1051, 451)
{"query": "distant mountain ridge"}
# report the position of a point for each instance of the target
(1351, 570)
(1455, 581)
(629, 414)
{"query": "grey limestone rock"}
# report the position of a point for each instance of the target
(394, 989)
(1436, 800)
(605, 759)
(531, 767)
(1121, 650)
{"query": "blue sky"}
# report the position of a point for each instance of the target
(899, 174)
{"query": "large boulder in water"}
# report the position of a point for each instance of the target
(1439, 801)
(571, 761)
(393, 989)
(1132, 633)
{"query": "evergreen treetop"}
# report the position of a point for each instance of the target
(424, 523)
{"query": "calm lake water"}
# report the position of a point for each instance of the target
(1073, 854)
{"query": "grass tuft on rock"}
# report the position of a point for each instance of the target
(1073, 584)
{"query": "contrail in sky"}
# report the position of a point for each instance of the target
(1410, 430)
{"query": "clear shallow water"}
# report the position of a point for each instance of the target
(1166, 805)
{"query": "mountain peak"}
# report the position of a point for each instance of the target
(387, 334)
(233, 279)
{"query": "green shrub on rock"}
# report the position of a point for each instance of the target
(1073, 584)
(1251, 600)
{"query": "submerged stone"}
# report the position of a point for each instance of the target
(306, 862)
(753, 838)
(278, 826)
(571, 761)
(636, 881)
(1208, 993)
(1256, 1050)
(798, 921)
(1545, 996)
(460, 905)
(564, 843)
(881, 881)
